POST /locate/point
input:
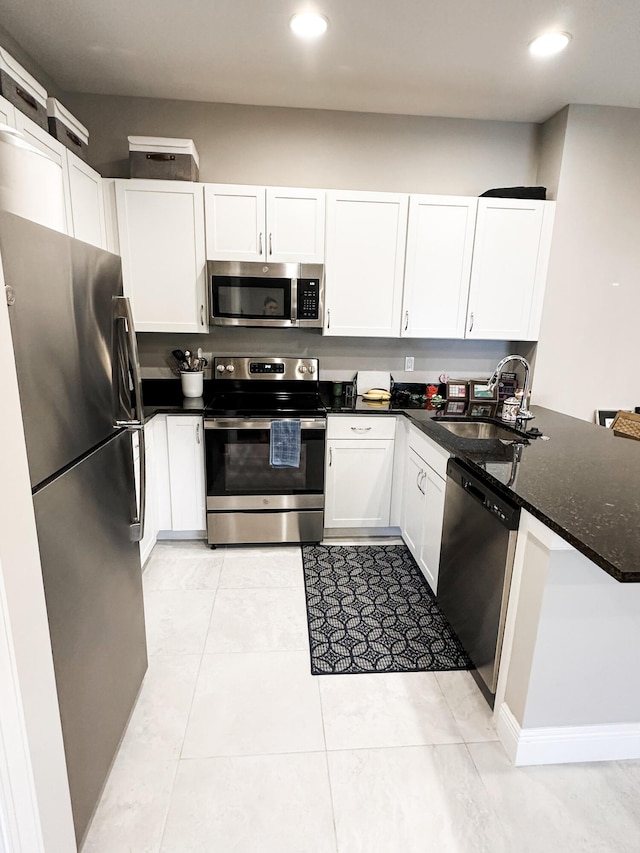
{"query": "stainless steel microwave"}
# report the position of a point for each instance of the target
(260, 294)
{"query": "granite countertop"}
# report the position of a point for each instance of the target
(583, 482)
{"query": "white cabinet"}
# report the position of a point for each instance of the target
(185, 450)
(7, 112)
(276, 224)
(509, 269)
(365, 247)
(84, 204)
(425, 481)
(87, 205)
(359, 471)
(437, 266)
(39, 138)
(161, 237)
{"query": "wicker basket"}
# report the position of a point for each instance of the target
(626, 424)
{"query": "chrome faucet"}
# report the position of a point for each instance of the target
(523, 411)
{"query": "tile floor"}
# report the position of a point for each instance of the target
(234, 747)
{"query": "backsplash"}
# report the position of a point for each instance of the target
(340, 358)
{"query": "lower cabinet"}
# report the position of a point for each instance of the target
(424, 484)
(359, 471)
(175, 479)
(185, 446)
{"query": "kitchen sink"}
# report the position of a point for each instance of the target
(480, 430)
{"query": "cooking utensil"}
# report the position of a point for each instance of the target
(178, 354)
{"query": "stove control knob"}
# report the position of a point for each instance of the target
(230, 368)
(220, 368)
(312, 369)
(302, 368)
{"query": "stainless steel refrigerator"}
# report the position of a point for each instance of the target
(81, 400)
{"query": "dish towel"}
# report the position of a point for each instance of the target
(284, 450)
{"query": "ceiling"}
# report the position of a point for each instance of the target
(464, 58)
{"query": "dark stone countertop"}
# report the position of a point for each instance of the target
(583, 482)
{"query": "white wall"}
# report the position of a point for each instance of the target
(587, 356)
(323, 148)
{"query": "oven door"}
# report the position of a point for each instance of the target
(247, 295)
(240, 477)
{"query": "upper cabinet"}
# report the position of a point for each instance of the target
(7, 112)
(275, 224)
(365, 247)
(87, 205)
(509, 269)
(438, 265)
(161, 235)
(82, 185)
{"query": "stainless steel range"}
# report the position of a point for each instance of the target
(259, 490)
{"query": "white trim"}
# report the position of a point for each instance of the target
(566, 744)
(20, 828)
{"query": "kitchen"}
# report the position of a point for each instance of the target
(465, 157)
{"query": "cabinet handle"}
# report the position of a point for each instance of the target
(328, 318)
(202, 315)
(26, 97)
(406, 320)
(198, 433)
(270, 246)
(260, 243)
(360, 429)
(472, 317)
(330, 457)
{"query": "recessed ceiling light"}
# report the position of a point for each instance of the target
(549, 44)
(309, 25)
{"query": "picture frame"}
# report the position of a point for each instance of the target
(457, 389)
(479, 390)
(478, 409)
(605, 417)
(455, 407)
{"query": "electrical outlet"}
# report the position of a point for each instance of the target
(408, 362)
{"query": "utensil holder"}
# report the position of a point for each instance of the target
(192, 382)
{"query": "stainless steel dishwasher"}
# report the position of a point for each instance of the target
(476, 561)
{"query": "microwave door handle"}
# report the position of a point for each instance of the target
(125, 315)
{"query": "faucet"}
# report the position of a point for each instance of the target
(523, 412)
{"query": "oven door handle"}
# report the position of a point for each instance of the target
(264, 423)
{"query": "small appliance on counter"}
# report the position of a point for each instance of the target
(369, 380)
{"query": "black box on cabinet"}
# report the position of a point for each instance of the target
(67, 129)
(22, 90)
(163, 158)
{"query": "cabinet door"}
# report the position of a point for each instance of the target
(7, 113)
(508, 275)
(429, 555)
(161, 236)
(87, 205)
(235, 217)
(366, 236)
(39, 138)
(295, 225)
(414, 497)
(438, 266)
(185, 436)
(358, 483)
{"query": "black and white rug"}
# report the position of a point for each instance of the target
(369, 609)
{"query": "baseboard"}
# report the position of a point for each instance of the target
(182, 534)
(372, 533)
(566, 744)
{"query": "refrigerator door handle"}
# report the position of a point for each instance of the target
(136, 527)
(123, 312)
(136, 424)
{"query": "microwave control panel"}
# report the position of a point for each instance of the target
(308, 298)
